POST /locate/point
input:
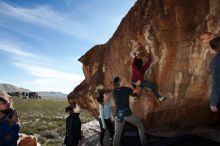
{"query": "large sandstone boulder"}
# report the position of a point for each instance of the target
(177, 32)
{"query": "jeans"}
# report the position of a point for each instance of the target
(150, 85)
(110, 128)
(119, 127)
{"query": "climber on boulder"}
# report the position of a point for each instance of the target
(138, 71)
(215, 70)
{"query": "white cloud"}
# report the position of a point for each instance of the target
(3, 81)
(45, 77)
(50, 79)
(53, 85)
(52, 19)
(49, 73)
(12, 49)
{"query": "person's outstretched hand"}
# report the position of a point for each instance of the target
(147, 49)
(213, 108)
(133, 54)
(138, 83)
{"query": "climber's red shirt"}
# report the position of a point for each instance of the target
(138, 74)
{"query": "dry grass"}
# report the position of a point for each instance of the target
(38, 116)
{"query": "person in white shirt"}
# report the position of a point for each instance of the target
(105, 116)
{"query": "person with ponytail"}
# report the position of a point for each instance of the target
(104, 116)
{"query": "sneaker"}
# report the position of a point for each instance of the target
(135, 95)
(161, 98)
(110, 141)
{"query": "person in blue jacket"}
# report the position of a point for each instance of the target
(215, 70)
(9, 129)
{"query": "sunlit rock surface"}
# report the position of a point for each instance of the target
(25, 140)
(177, 32)
(89, 129)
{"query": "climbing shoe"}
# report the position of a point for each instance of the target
(161, 98)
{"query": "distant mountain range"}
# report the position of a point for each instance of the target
(43, 94)
(51, 94)
(12, 88)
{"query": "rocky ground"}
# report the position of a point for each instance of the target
(90, 132)
(49, 137)
(202, 136)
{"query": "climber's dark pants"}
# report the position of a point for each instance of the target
(147, 84)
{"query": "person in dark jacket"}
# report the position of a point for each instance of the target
(10, 129)
(73, 127)
(4, 106)
(215, 70)
(138, 71)
(123, 112)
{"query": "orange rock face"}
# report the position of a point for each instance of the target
(28, 141)
(177, 32)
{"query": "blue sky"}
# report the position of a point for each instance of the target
(41, 40)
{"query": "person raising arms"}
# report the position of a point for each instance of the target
(138, 71)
